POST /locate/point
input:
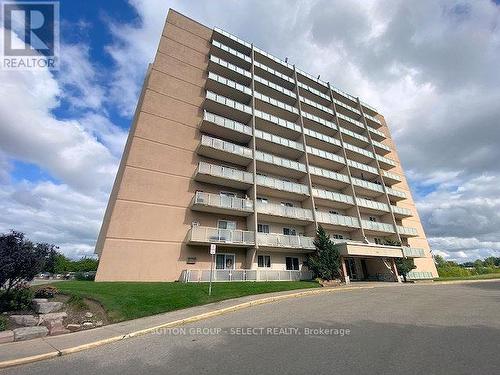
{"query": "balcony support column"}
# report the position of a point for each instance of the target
(353, 191)
(388, 201)
(395, 270)
(344, 270)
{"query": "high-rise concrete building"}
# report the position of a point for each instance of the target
(235, 147)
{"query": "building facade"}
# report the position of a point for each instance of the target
(232, 146)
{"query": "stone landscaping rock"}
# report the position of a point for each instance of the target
(74, 327)
(39, 300)
(52, 316)
(99, 323)
(28, 333)
(6, 336)
(25, 320)
(89, 315)
(48, 307)
(56, 327)
(88, 325)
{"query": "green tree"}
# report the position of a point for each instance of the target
(404, 266)
(439, 260)
(325, 262)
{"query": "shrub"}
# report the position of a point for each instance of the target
(46, 292)
(77, 302)
(18, 298)
(85, 276)
(3, 323)
(453, 271)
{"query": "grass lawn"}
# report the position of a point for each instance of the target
(124, 301)
(473, 277)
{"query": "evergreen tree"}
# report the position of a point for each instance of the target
(325, 262)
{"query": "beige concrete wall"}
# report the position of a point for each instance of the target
(149, 216)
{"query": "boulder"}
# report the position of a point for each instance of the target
(25, 320)
(88, 325)
(51, 316)
(6, 336)
(56, 327)
(74, 327)
(28, 333)
(39, 300)
(89, 315)
(99, 323)
(48, 307)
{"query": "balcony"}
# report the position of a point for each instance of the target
(312, 90)
(337, 221)
(318, 124)
(367, 188)
(365, 170)
(276, 144)
(324, 159)
(386, 163)
(332, 198)
(413, 252)
(221, 204)
(407, 231)
(371, 207)
(376, 135)
(219, 175)
(395, 195)
(221, 150)
(328, 178)
(317, 139)
(350, 123)
(346, 109)
(272, 89)
(227, 107)
(316, 108)
(391, 178)
(358, 154)
(287, 168)
(273, 75)
(401, 212)
(373, 121)
(233, 237)
(225, 128)
(354, 138)
(276, 125)
(232, 41)
(230, 71)
(276, 107)
(275, 187)
(228, 88)
(375, 226)
(282, 241)
(284, 214)
(381, 148)
(231, 55)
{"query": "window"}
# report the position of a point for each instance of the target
(333, 212)
(264, 261)
(289, 231)
(263, 228)
(372, 218)
(378, 241)
(287, 204)
(227, 194)
(226, 224)
(292, 264)
(338, 237)
(224, 261)
(262, 200)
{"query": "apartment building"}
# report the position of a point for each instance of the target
(233, 146)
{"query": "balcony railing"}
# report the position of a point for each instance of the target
(284, 211)
(231, 51)
(352, 121)
(227, 82)
(278, 140)
(372, 204)
(376, 226)
(396, 193)
(222, 201)
(348, 107)
(227, 123)
(354, 135)
(225, 172)
(274, 86)
(197, 276)
(341, 220)
(362, 167)
(282, 185)
(276, 103)
(230, 66)
(367, 185)
(325, 154)
(319, 120)
(407, 231)
(217, 235)
(332, 196)
(401, 210)
(358, 150)
(285, 241)
(314, 91)
(391, 175)
(328, 174)
(312, 103)
(228, 102)
(282, 162)
(232, 148)
(413, 252)
(322, 137)
(381, 145)
(385, 160)
(274, 72)
(278, 121)
(377, 132)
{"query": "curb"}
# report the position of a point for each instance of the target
(191, 319)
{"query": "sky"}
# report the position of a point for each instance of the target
(431, 67)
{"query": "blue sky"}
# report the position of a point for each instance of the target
(431, 67)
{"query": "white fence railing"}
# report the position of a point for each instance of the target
(222, 201)
(415, 275)
(283, 240)
(189, 276)
(285, 211)
(217, 235)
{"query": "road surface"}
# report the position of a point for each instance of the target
(412, 329)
